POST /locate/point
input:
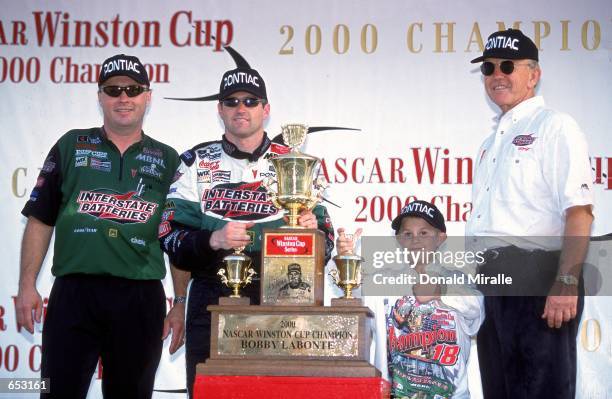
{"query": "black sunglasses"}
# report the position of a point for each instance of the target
(248, 102)
(130, 91)
(507, 67)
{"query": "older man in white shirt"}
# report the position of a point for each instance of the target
(532, 180)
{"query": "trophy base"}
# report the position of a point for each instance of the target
(303, 341)
(346, 302)
(230, 301)
(293, 368)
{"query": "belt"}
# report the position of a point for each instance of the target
(514, 251)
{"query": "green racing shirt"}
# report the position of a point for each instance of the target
(105, 206)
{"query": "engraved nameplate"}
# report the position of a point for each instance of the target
(318, 335)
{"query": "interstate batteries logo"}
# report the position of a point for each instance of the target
(242, 201)
(116, 207)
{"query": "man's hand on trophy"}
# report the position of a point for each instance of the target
(306, 219)
(232, 235)
(345, 243)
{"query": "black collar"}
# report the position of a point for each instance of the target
(101, 133)
(233, 151)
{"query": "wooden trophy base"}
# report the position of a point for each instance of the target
(302, 341)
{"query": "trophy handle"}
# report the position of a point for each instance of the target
(267, 183)
(273, 195)
(249, 278)
(320, 185)
(312, 202)
(221, 273)
(334, 274)
(274, 200)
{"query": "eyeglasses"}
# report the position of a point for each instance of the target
(248, 102)
(507, 67)
(130, 91)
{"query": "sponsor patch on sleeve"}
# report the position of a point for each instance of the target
(49, 165)
(164, 229)
(188, 157)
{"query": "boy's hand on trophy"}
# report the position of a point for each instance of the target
(345, 243)
(232, 235)
(427, 292)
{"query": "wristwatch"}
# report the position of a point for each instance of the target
(567, 279)
(179, 299)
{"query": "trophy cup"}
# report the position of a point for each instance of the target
(296, 190)
(347, 275)
(295, 173)
(237, 274)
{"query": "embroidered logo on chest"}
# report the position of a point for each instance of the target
(523, 140)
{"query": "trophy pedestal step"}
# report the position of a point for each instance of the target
(228, 301)
(271, 387)
(296, 368)
(353, 302)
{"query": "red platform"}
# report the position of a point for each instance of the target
(254, 387)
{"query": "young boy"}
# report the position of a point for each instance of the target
(427, 332)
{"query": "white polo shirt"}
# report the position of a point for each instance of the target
(527, 173)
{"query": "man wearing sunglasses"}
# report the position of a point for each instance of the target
(532, 192)
(219, 203)
(102, 190)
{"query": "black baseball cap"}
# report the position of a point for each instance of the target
(242, 79)
(421, 209)
(509, 44)
(123, 65)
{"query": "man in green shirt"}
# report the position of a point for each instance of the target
(102, 189)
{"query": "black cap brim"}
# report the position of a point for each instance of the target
(478, 59)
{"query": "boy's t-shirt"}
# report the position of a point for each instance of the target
(425, 350)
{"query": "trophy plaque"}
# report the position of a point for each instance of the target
(292, 267)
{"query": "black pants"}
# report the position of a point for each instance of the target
(519, 355)
(204, 292)
(116, 319)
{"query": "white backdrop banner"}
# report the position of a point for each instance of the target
(398, 70)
